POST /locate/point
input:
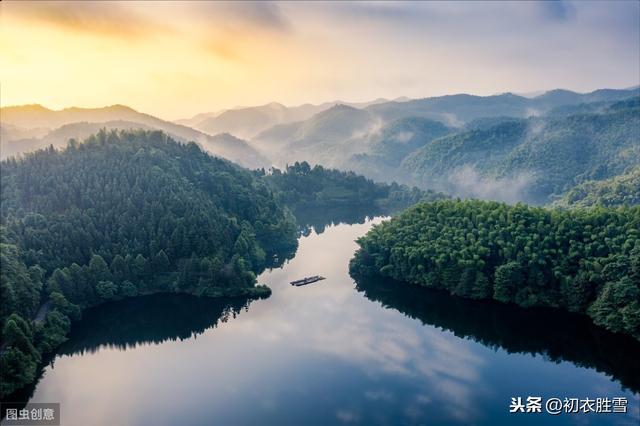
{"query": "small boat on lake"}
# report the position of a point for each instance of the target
(307, 280)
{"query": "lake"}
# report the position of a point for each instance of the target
(333, 352)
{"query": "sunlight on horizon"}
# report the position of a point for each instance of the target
(177, 59)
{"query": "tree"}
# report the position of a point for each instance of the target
(617, 307)
(107, 290)
(60, 282)
(98, 269)
(17, 333)
(60, 303)
(121, 214)
(54, 330)
(119, 268)
(16, 370)
(161, 262)
(466, 282)
(127, 289)
(140, 267)
(583, 261)
(481, 287)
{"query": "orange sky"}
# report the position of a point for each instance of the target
(178, 59)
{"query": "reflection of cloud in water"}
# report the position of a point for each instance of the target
(378, 395)
(356, 331)
(347, 416)
(322, 354)
(443, 365)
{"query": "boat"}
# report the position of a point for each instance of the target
(307, 280)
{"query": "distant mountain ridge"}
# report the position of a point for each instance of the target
(373, 138)
(293, 141)
(531, 159)
(335, 133)
(619, 190)
(247, 122)
(56, 127)
(29, 116)
(253, 122)
(459, 109)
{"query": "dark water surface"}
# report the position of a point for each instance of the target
(334, 352)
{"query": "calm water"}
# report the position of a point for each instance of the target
(334, 352)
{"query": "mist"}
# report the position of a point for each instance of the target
(466, 182)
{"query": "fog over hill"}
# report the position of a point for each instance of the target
(27, 128)
(325, 138)
(495, 147)
(458, 109)
(531, 159)
(247, 122)
(504, 146)
(623, 189)
(254, 122)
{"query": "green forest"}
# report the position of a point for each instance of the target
(119, 215)
(583, 260)
(128, 213)
(555, 152)
(619, 190)
(302, 187)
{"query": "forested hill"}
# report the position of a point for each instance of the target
(585, 260)
(302, 187)
(617, 191)
(538, 331)
(27, 128)
(535, 158)
(121, 214)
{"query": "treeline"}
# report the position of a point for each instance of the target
(143, 320)
(123, 214)
(302, 187)
(620, 190)
(555, 334)
(554, 152)
(585, 261)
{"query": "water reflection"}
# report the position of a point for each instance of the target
(128, 323)
(149, 319)
(320, 354)
(318, 219)
(557, 335)
(313, 220)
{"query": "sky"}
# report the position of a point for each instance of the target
(177, 59)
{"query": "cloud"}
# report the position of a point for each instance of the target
(452, 120)
(237, 17)
(466, 182)
(403, 137)
(439, 15)
(221, 49)
(222, 29)
(116, 19)
(378, 395)
(470, 47)
(293, 52)
(558, 10)
(263, 14)
(347, 416)
(132, 19)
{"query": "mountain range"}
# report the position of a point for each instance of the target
(29, 127)
(504, 146)
(531, 159)
(247, 122)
